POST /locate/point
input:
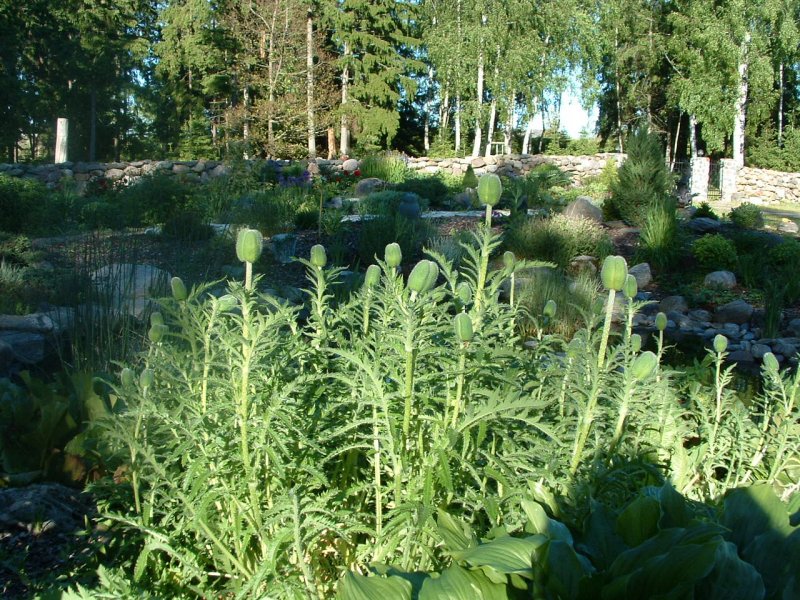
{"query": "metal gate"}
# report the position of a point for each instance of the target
(714, 181)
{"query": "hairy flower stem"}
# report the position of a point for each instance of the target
(244, 397)
(601, 355)
(408, 390)
(488, 217)
(365, 313)
(207, 360)
(585, 427)
(627, 394)
(483, 270)
(786, 425)
(299, 551)
(718, 388)
(462, 360)
(376, 445)
(248, 276)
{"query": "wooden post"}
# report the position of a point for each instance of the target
(62, 138)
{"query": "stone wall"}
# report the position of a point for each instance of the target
(201, 171)
(580, 167)
(763, 185)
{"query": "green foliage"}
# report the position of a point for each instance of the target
(574, 297)
(765, 152)
(659, 240)
(659, 544)
(101, 214)
(187, 226)
(21, 200)
(558, 239)
(390, 168)
(642, 181)
(785, 255)
(49, 430)
(470, 179)
(272, 211)
(432, 188)
(153, 200)
(747, 216)
(705, 211)
(715, 252)
(375, 233)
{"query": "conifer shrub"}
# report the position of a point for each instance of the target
(642, 180)
(747, 216)
(20, 202)
(715, 252)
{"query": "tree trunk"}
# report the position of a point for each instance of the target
(618, 92)
(344, 136)
(310, 126)
(780, 105)
(511, 124)
(693, 135)
(444, 115)
(426, 114)
(92, 125)
(331, 143)
(246, 122)
(675, 144)
(741, 104)
(490, 131)
(457, 124)
(476, 146)
(526, 140)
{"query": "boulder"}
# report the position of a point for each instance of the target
(130, 288)
(673, 303)
(33, 323)
(704, 225)
(793, 328)
(369, 185)
(409, 206)
(47, 506)
(642, 274)
(759, 350)
(583, 263)
(741, 356)
(737, 311)
(26, 348)
(350, 165)
(788, 227)
(467, 199)
(785, 346)
(700, 315)
(583, 208)
(720, 279)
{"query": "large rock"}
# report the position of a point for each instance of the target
(673, 303)
(794, 327)
(34, 323)
(368, 186)
(27, 348)
(350, 165)
(720, 279)
(737, 311)
(788, 227)
(785, 346)
(47, 506)
(642, 274)
(130, 288)
(583, 208)
(704, 225)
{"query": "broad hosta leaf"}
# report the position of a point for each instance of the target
(753, 510)
(601, 542)
(639, 521)
(506, 554)
(455, 534)
(674, 512)
(732, 578)
(457, 583)
(563, 569)
(539, 522)
(359, 587)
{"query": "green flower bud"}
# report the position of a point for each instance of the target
(661, 321)
(126, 377)
(770, 362)
(464, 292)
(490, 188)
(249, 243)
(720, 343)
(318, 257)
(614, 272)
(227, 302)
(636, 342)
(147, 378)
(393, 255)
(373, 276)
(463, 326)
(509, 259)
(630, 288)
(643, 365)
(178, 289)
(156, 318)
(423, 276)
(549, 310)
(157, 332)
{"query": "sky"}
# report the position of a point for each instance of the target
(574, 118)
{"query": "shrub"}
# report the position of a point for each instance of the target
(558, 239)
(785, 254)
(188, 226)
(470, 179)
(271, 211)
(747, 216)
(100, 214)
(705, 211)
(154, 199)
(375, 233)
(642, 180)
(21, 203)
(391, 168)
(715, 252)
(659, 242)
(432, 188)
(574, 298)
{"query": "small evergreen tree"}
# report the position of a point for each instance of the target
(643, 180)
